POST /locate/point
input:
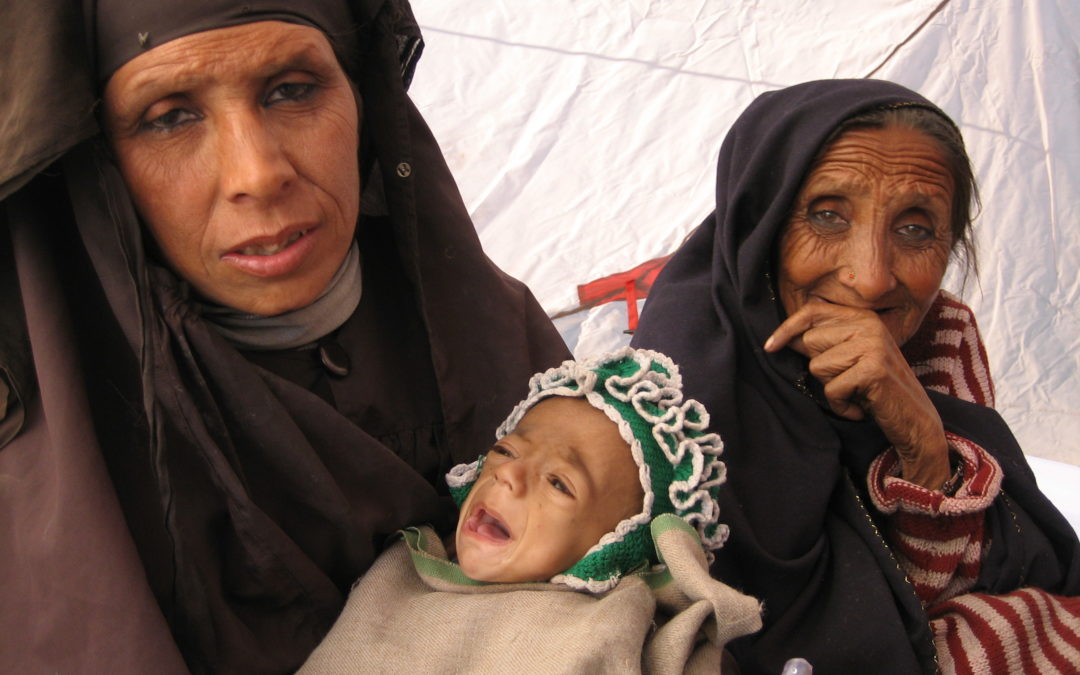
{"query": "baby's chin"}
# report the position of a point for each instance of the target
(474, 564)
(479, 567)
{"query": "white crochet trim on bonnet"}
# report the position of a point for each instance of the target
(646, 385)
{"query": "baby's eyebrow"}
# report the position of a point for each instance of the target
(568, 455)
(581, 474)
(573, 457)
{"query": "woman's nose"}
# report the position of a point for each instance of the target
(868, 269)
(252, 161)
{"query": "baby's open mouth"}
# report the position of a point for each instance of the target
(487, 525)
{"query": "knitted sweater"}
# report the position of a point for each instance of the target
(947, 353)
(939, 540)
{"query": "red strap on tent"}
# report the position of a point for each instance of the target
(630, 286)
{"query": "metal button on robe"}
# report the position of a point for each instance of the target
(334, 359)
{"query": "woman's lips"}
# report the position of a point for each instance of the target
(486, 525)
(877, 310)
(273, 257)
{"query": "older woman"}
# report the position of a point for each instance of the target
(858, 498)
(251, 325)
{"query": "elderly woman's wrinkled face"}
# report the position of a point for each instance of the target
(870, 228)
(239, 147)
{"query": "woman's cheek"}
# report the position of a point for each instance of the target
(804, 259)
(161, 175)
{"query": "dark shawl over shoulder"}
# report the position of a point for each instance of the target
(167, 503)
(804, 537)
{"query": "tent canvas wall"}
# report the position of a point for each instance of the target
(584, 135)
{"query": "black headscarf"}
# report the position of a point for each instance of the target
(168, 496)
(120, 30)
(804, 536)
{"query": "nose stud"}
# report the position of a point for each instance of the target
(851, 276)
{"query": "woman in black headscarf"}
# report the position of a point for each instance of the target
(247, 325)
(838, 207)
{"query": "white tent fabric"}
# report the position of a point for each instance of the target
(584, 134)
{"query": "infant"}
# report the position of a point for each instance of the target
(548, 491)
(582, 534)
(581, 467)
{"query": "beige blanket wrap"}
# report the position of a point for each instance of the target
(415, 612)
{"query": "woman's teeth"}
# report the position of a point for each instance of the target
(271, 249)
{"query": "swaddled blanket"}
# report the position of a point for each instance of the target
(414, 611)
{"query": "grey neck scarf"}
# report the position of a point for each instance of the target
(300, 327)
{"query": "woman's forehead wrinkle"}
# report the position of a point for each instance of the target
(857, 179)
(890, 157)
(850, 169)
(126, 29)
(215, 57)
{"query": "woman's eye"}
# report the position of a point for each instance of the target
(501, 450)
(559, 485)
(916, 233)
(827, 218)
(171, 120)
(290, 91)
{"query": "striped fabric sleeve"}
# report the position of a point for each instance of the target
(1025, 631)
(938, 540)
(947, 352)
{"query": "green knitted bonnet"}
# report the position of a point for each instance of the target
(679, 464)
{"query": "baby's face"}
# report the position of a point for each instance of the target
(547, 493)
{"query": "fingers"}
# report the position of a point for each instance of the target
(813, 319)
(894, 398)
(844, 386)
(788, 332)
(847, 409)
(864, 374)
(851, 353)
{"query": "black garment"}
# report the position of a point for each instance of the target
(167, 495)
(804, 535)
(389, 391)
